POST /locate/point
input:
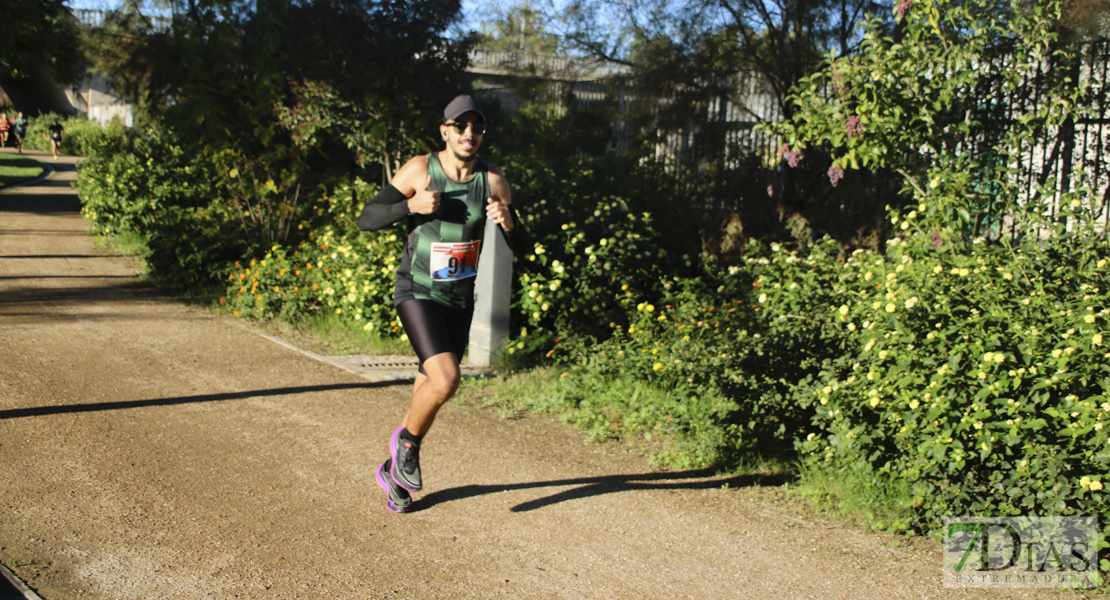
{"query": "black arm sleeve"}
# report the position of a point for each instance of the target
(518, 239)
(384, 209)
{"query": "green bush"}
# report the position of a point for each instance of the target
(600, 220)
(979, 380)
(729, 351)
(336, 271)
(144, 183)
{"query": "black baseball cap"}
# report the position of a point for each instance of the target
(461, 105)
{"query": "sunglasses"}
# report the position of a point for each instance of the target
(477, 128)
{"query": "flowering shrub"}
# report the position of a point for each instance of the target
(975, 382)
(336, 270)
(979, 380)
(726, 353)
(599, 224)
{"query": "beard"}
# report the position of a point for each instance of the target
(465, 157)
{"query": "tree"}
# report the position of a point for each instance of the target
(1085, 19)
(519, 28)
(701, 72)
(925, 105)
(700, 44)
(138, 57)
(40, 34)
(291, 96)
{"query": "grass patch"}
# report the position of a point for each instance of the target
(858, 497)
(610, 410)
(126, 243)
(15, 168)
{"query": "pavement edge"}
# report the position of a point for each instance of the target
(17, 583)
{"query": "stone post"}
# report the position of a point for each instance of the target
(492, 293)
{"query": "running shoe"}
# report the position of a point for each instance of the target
(406, 462)
(399, 501)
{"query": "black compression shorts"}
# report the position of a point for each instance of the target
(434, 329)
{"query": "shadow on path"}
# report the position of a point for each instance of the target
(40, 411)
(42, 204)
(597, 486)
(14, 256)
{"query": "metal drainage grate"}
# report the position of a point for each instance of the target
(389, 363)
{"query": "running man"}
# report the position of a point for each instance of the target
(448, 196)
(56, 131)
(19, 128)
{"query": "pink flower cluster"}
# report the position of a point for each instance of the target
(853, 126)
(793, 157)
(835, 174)
(903, 7)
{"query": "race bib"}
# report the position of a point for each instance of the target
(451, 262)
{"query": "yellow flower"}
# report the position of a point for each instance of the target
(1096, 486)
(843, 309)
(890, 307)
(1085, 482)
(1097, 339)
(657, 366)
(1090, 318)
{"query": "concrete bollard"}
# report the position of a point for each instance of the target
(489, 330)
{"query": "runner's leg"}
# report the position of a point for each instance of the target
(439, 336)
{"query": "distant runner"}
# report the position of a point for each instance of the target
(56, 131)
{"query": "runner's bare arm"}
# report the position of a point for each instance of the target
(501, 198)
(499, 209)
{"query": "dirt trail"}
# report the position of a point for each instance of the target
(149, 449)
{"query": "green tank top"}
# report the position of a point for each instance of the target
(441, 255)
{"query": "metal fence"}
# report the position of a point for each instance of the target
(96, 18)
(1069, 157)
(1066, 158)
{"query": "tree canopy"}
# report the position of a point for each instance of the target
(40, 34)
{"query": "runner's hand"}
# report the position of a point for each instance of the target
(424, 201)
(498, 212)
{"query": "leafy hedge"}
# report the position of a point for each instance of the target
(977, 380)
(144, 183)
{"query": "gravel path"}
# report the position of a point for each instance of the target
(150, 449)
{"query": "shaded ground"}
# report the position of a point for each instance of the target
(149, 449)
